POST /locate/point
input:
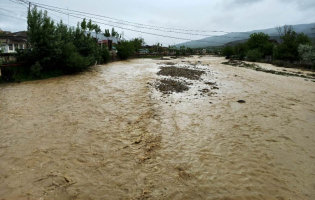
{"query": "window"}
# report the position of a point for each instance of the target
(10, 47)
(21, 46)
(16, 46)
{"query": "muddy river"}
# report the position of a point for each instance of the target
(110, 134)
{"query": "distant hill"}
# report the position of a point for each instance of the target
(242, 37)
(233, 43)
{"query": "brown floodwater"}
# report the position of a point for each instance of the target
(109, 134)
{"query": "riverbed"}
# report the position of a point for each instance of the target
(108, 133)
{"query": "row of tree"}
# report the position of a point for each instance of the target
(57, 49)
(260, 45)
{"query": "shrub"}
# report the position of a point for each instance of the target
(261, 42)
(279, 63)
(290, 41)
(307, 53)
(35, 70)
(76, 63)
(105, 55)
(228, 51)
(125, 49)
(282, 63)
(240, 50)
(254, 55)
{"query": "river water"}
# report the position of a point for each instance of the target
(109, 134)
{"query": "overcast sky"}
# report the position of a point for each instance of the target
(210, 15)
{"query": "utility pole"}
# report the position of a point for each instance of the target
(29, 12)
(28, 27)
(68, 15)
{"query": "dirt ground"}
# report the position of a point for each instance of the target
(110, 134)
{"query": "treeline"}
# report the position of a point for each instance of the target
(55, 49)
(291, 48)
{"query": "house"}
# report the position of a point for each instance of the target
(146, 47)
(110, 42)
(11, 42)
(143, 51)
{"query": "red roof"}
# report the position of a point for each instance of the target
(103, 41)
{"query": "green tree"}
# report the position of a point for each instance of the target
(228, 51)
(182, 49)
(137, 43)
(241, 50)
(106, 33)
(97, 30)
(254, 55)
(83, 25)
(307, 52)
(114, 33)
(90, 25)
(189, 50)
(290, 41)
(125, 49)
(1, 50)
(261, 42)
(57, 47)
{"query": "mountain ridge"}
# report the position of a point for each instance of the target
(239, 36)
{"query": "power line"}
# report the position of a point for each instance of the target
(12, 16)
(137, 26)
(144, 25)
(10, 11)
(17, 2)
(73, 15)
(135, 30)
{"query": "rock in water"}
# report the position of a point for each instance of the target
(241, 101)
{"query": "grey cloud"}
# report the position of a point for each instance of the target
(301, 4)
(227, 15)
(246, 1)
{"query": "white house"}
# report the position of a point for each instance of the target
(10, 42)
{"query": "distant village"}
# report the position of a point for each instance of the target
(13, 41)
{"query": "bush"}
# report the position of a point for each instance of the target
(290, 41)
(254, 55)
(240, 50)
(35, 70)
(125, 49)
(261, 42)
(228, 51)
(307, 53)
(279, 63)
(105, 55)
(76, 63)
(282, 63)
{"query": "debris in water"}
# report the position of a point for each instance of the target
(168, 85)
(241, 101)
(210, 83)
(215, 88)
(181, 72)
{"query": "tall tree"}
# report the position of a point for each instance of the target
(114, 33)
(83, 24)
(260, 41)
(290, 41)
(106, 33)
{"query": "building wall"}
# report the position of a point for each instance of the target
(12, 46)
